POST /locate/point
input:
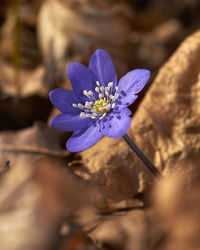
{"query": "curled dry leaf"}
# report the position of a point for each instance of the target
(166, 125)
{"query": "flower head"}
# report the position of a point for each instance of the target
(97, 106)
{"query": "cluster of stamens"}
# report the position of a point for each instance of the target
(98, 108)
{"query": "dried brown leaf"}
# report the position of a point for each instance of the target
(108, 163)
(27, 145)
(177, 207)
(123, 231)
(35, 200)
(166, 123)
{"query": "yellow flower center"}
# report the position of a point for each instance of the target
(100, 106)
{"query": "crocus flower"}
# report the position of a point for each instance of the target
(97, 106)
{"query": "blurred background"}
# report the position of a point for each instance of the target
(53, 200)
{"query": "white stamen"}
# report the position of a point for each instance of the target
(116, 88)
(85, 92)
(90, 93)
(106, 92)
(115, 96)
(102, 116)
(100, 96)
(80, 106)
(97, 83)
(102, 88)
(97, 89)
(74, 105)
(110, 84)
(82, 114)
(87, 104)
(108, 106)
(107, 89)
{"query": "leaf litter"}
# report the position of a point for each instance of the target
(101, 198)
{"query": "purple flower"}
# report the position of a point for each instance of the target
(97, 106)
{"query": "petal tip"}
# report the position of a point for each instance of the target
(71, 148)
(51, 94)
(101, 53)
(54, 95)
(73, 67)
(145, 72)
(52, 122)
(148, 72)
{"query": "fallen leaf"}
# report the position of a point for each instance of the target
(35, 201)
(166, 125)
(28, 145)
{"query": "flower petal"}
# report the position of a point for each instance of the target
(81, 79)
(70, 122)
(63, 99)
(83, 139)
(117, 124)
(132, 83)
(103, 68)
